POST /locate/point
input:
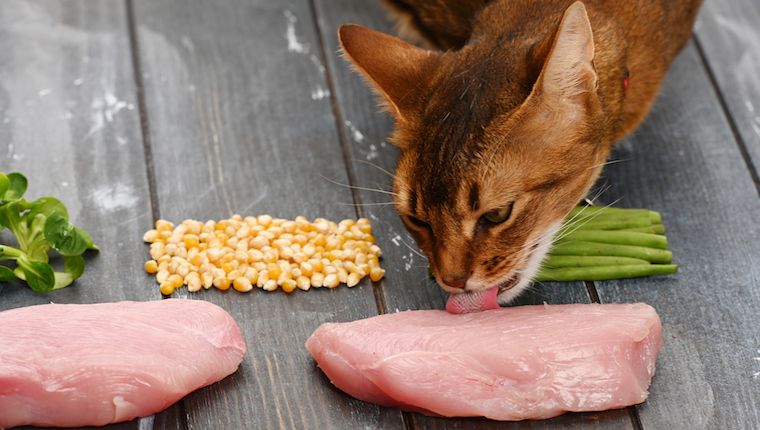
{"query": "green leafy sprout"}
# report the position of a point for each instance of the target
(39, 226)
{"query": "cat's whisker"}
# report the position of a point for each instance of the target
(609, 162)
(413, 250)
(366, 204)
(391, 174)
(355, 187)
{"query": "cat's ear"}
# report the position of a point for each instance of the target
(569, 75)
(396, 68)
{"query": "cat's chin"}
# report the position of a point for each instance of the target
(521, 280)
(512, 288)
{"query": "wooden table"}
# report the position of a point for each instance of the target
(135, 110)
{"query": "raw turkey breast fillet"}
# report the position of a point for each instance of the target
(91, 365)
(526, 362)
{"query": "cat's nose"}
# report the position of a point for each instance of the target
(455, 281)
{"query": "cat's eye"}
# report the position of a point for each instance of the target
(499, 215)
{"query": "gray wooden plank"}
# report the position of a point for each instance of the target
(70, 124)
(406, 284)
(684, 162)
(729, 34)
(241, 122)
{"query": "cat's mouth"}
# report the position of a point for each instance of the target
(508, 284)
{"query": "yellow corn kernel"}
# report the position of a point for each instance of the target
(227, 267)
(264, 220)
(163, 265)
(274, 271)
(191, 241)
(198, 259)
(271, 256)
(213, 254)
(331, 281)
(162, 276)
(259, 265)
(157, 252)
(173, 266)
(222, 283)
(316, 264)
(231, 231)
(342, 275)
(163, 235)
(252, 275)
(242, 284)
(151, 266)
(270, 285)
(288, 285)
(263, 278)
(317, 279)
(234, 274)
(374, 249)
(254, 255)
(299, 257)
(241, 256)
(286, 253)
(176, 280)
(320, 240)
(167, 288)
(221, 225)
(303, 283)
(289, 226)
(330, 270)
(353, 279)
(296, 272)
(183, 270)
(308, 250)
(164, 225)
(306, 269)
(151, 235)
(194, 284)
(284, 276)
(376, 274)
(359, 270)
(207, 280)
(335, 254)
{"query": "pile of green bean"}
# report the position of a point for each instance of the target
(601, 243)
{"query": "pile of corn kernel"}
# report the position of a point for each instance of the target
(265, 252)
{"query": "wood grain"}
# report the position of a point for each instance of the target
(728, 33)
(241, 124)
(684, 162)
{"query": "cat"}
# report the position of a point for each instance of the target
(506, 117)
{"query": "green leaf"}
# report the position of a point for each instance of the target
(5, 184)
(90, 244)
(16, 189)
(64, 237)
(6, 274)
(38, 275)
(73, 267)
(48, 205)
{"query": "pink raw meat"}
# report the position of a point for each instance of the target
(527, 362)
(91, 365)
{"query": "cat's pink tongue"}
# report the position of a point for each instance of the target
(465, 303)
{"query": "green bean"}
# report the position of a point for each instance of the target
(603, 273)
(591, 248)
(559, 261)
(616, 237)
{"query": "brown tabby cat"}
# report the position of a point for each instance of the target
(505, 128)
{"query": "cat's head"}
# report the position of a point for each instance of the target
(497, 143)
